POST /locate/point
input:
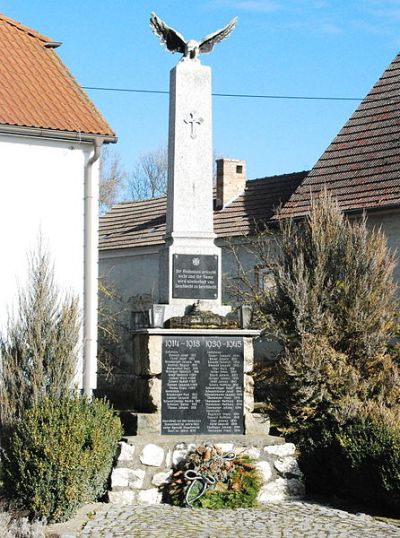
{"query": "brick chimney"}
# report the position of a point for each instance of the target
(231, 180)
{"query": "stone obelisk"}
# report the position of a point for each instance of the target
(190, 262)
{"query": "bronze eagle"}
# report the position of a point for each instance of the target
(175, 42)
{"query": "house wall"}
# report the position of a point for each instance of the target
(132, 274)
(41, 193)
(389, 221)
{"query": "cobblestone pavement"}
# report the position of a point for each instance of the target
(292, 519)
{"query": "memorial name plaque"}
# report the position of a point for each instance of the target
(195, 276)
(202, 385)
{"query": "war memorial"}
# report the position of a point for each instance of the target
(192, 367)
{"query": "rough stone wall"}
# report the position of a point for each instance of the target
(144, 466)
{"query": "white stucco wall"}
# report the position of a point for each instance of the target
(41, 192)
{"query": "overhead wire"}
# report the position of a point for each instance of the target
(238, 95)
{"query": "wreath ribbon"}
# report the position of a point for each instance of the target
(206, 480)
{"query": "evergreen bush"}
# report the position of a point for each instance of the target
(60, 455)
(39, 348)
(334, 387)
(359, 460)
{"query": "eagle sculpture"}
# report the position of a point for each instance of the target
(175, 42)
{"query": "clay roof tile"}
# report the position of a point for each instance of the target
(36, 88)
(361, 167)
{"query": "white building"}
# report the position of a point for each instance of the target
(50, 136)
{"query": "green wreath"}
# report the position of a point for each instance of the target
(208, 478)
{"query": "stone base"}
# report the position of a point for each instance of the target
(183, 308)
(150, 423)
(144, 465)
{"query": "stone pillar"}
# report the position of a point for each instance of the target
(190, 188)
(189, 229)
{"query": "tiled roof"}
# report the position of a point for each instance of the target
(361, 167)
(37, 90)
(142, 223)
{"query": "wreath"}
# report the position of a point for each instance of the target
(209, 478)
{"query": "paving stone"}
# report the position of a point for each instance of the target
(292, 519)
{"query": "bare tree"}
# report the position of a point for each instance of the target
(149, 176)
(112, 178)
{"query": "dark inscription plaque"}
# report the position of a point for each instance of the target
(202, 385)
(195, 276)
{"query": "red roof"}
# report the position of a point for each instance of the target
(142, 223)
(361, 167)
(37, 90)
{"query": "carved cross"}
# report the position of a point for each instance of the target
(194, 120)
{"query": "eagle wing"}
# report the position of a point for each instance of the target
(209, 41)
(172, 39)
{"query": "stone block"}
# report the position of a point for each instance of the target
(152, 455)
(168, 459)
(296, 487)
(148, 394)
(122, 497)
(225, 447)
(256, 424)
(126, 452)
(248, 352)
(248, 393)
(148, 423)
(286, 449)
(179, 455)
(252, 452)
(288, 466)
(281, 489)
(149, 496)
(248, 401)
(147, 349)
(160, 478)
(127, 478)
(265, 470)
(274, 491)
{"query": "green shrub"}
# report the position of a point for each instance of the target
(60, 455)
(333, 309)
(359, 460)
(39, 347)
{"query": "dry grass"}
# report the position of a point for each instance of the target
(13, 525)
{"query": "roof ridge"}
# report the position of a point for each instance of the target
(342, 165)
(279, 175)
(26, 29)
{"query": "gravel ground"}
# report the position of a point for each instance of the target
(294, 519)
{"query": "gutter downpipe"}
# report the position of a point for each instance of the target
(90, 257)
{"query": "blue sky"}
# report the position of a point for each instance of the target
(280, 47)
